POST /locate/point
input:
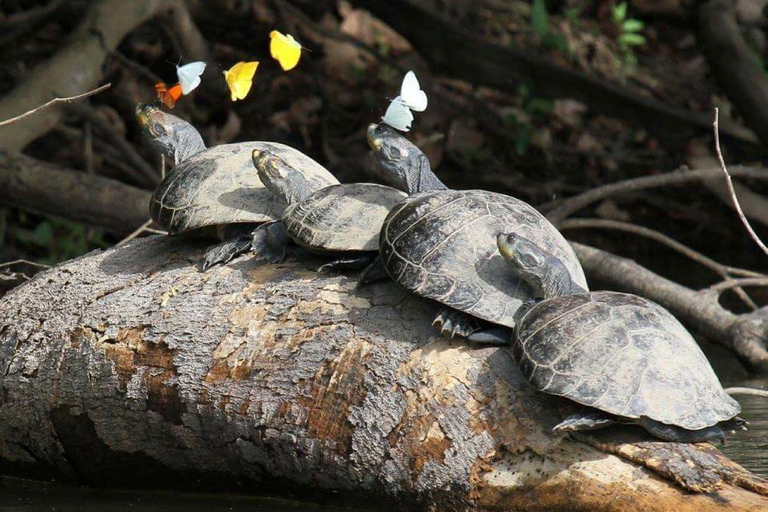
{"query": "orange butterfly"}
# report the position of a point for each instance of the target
(168, 97)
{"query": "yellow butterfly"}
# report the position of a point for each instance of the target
(240, 78)
(284, 49)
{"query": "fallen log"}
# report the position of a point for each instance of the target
(130, 366)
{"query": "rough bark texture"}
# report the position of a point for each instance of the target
(130, 364)
(48, 189)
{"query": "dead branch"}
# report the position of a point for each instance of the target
(719, 288)
(149, 175)
(734, 63)
(746, 334)
(53, 102)
(45, 188)
(503, 68)
(747, 391)
(571, 205)
(76, 67)
(130, 366)
(721, 270)
(732, 192)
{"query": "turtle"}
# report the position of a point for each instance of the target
(623, 357)
(342, 220)
(441, 243)
(218, 189)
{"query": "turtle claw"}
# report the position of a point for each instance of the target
(451, 323)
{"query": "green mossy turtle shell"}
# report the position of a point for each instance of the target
(220, 185)
(442, 245)
(624, 355)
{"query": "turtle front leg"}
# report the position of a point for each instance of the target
(587, 419)
(492, 336)
(355, 262)
(225, 251)
(682, 435)
(269, 242)
(450, 322)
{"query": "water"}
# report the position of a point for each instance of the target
(21, 496)
(750, 448)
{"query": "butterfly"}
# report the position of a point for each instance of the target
(411, 93)
(284, 49)
(398, 115)
(240, 79)
(168, 96)
(189, 75)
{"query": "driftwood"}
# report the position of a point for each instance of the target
(77, 67)
(130, 366)
(45, 188)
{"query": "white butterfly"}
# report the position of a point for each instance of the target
(189, 75)
(411, 93)
(398, 115)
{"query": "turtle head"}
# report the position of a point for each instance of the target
(544, 273)
(173, 136)
(399, 162)
(283, 181)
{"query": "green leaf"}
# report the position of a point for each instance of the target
(632, 26)
(43, 234)
(556, 41)
(632, 40)
(540, 18)
(522, 141)
(619, 12)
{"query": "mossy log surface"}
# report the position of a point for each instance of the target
(130, 367)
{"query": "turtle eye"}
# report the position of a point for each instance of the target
(395, 153)
(158, 129)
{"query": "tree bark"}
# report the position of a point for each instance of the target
(44, 188)
(130, 366)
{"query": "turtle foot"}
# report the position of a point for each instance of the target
(450, 323)
(270, 242)
(225, 251)
(373, 273)
(584, 420)
(493, 336)
(683, 435)
(352, 263)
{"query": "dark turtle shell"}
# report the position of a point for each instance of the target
(442, 245)
(341, 217)
(624, 355)
(220, 185)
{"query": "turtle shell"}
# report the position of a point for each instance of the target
(442, 245)
(624, 355)
(220, 185)
(341, 217)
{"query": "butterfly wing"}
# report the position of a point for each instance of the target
(240, 79)
(398, 115)
(168, 97)
(284, 49)
(411, 93)
(189, 75)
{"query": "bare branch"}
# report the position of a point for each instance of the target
(747, 391)
(736, 204)
(720, 269)
(23, 262)
(718, 288)
(682, 177)
(136, 233)
(53, 102)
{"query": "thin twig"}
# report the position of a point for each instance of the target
(728, 179)
(740, 281)
(53, 102)
(722, 270)
(747, 391)
(573, 204)
(136, 233)
(25, 262)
